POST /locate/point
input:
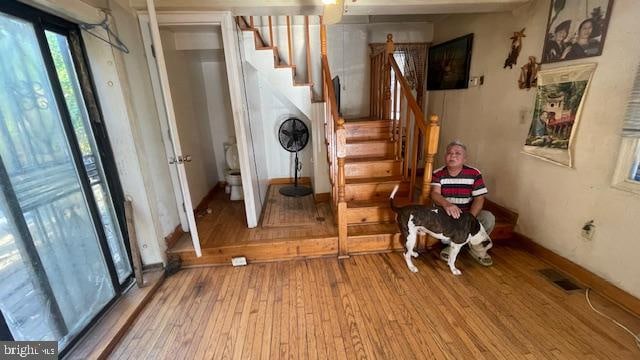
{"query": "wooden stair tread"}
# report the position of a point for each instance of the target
(367, 122)
(370, 159)
(366, 157)
(302, 84)
(375, 180)
(399, 201)
(359, 138)
(367, 140)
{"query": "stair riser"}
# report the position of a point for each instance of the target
(361, 132)
(372, 192)
(373, 148)
(369, 215)
(372, 169)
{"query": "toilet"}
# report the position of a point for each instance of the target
(232, 172)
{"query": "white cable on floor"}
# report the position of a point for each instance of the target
(636, 337)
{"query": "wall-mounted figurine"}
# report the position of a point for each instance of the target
(516, 45)
(529, 74)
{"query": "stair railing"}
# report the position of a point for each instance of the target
(412, 135)
(336, 141)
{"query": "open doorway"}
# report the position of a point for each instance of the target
(195, 63)
(195, 72)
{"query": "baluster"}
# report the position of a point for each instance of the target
(251, 21)
(430, 149)
(414, 153)
(389, 49)
(408, 138)
(289, 40)
(271, 43)
(308, 41)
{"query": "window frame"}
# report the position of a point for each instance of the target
(627, 159)
(43, 21)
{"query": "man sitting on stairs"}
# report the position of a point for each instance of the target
(459, 188)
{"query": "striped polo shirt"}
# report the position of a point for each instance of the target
(461, 189)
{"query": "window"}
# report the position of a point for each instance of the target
(63, 258)
(627, 173)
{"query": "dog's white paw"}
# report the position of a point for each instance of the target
(413, 268)
(456, 272)
(414, 254)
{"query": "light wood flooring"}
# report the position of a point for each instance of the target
(226, 224)
(371, 306)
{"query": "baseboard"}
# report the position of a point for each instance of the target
(582, 275)
(172, 239)
(202, 206)
(322, 197)
(289, 180)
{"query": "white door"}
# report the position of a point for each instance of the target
(179, 160)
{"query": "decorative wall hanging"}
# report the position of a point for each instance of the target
(556, 114)
(529, 74)
(449, 62)
(576, 29)
(516, 45)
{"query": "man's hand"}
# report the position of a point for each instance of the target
(453, 211)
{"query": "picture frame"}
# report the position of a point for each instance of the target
(576, 29)
(449, 63)
(560, 96)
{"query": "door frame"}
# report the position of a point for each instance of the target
(224, 19)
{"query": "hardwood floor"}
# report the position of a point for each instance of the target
(226, 225)
(371, 306)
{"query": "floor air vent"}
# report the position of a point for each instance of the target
(559, 279)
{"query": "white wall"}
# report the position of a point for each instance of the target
(553, 202)
(275, 110)
(348, 53)
(187, 84)
(219, 109)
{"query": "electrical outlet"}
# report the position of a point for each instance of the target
(239, 261)
(588, 229)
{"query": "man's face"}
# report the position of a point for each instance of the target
(455, 156)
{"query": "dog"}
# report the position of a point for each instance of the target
(414, 219)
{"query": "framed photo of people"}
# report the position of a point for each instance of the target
(576, 29)
(559, 98)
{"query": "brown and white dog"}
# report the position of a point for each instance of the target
(414, 219)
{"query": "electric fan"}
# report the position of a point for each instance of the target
(294, 136)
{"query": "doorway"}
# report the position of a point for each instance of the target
(198, 46)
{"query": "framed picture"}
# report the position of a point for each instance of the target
(575, 29)
(448, 65)
(556, 114)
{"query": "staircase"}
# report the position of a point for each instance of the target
(261, 52)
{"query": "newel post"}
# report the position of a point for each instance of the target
(430, 150)
(389, 49)
(341, 152)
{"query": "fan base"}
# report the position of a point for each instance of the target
(296, 191)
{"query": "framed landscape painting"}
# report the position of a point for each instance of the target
(556, 114)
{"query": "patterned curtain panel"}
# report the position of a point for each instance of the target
(412, 58)
(631, 126)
